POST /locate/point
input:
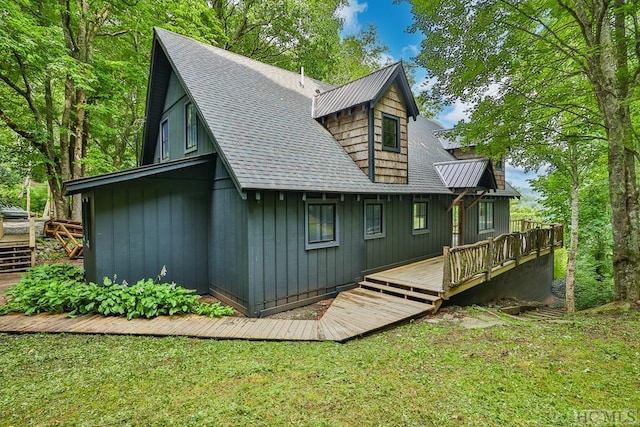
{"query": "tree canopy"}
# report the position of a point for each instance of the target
(73, 74)
(545, 71)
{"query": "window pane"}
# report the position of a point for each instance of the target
(373, 219)
(321, 223)
(164, 139)
(389, 132)
(191, 127)
(419, 215)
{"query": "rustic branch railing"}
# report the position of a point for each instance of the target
(463, 263)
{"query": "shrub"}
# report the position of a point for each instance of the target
(60, 288)
(592, 289)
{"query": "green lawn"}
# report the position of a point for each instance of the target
(525, 373)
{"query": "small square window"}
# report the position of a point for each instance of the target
(485, 216)
(191, 128)
(322, 225)
(390, 133)
(420, 216)
(373, 220)
(164, 140)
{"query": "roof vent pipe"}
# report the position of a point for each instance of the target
(302, 76)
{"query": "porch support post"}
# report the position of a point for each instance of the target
(488, 262)
(446, 272)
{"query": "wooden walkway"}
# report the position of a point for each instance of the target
(353, 314)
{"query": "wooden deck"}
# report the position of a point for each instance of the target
(425, 275)
(353, 314)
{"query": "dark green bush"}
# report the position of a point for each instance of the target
(60, 288)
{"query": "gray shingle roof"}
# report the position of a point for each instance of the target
(260, 119)
(363, 90)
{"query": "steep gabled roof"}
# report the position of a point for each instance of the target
(259, 119)
(472, 174)
(365, 90)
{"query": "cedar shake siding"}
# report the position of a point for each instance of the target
(391, 167)
(351, 129)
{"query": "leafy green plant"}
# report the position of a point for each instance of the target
(60, 288)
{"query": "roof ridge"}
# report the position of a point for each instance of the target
(360, 78)
(240, 56)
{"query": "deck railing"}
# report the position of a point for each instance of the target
(479, 260)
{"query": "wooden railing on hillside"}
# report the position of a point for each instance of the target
(522, 225)
(478, 261)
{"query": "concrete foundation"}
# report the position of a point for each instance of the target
(528, 282)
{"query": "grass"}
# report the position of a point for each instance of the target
(524, 373)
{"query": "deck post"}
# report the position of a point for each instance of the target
(539, 232)
(489, 259)
(552, 238)
(446, 272)
(32, 239)
(516, 248)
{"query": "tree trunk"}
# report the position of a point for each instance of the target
(609, 74)
(573, 244)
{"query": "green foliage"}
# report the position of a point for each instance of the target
(60, 288)
(593, 288)
(560, 264)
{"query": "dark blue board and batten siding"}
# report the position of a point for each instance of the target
(500, 219)
(142, 225)
(228, 242)
(401, 245)
(282, 272)
(174, 113)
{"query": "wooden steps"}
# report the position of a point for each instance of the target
(16, 256)
(397, 291)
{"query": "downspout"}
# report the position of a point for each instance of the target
(372, 160)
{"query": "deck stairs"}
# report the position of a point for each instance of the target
(402, 289)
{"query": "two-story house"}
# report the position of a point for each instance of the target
(270, 190)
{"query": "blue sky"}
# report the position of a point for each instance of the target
(392, 21)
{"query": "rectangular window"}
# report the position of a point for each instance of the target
(390, 133)
(87, 223)
(322, 225)
(373, 220)
(420, 216)
(485, 216)
(191, 128)
(164, 140)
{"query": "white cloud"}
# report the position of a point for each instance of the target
(385, 59)
(410, 51)
(349, 14)
(459, 111)
(426, 83)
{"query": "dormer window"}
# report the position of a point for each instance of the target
(390, 133)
